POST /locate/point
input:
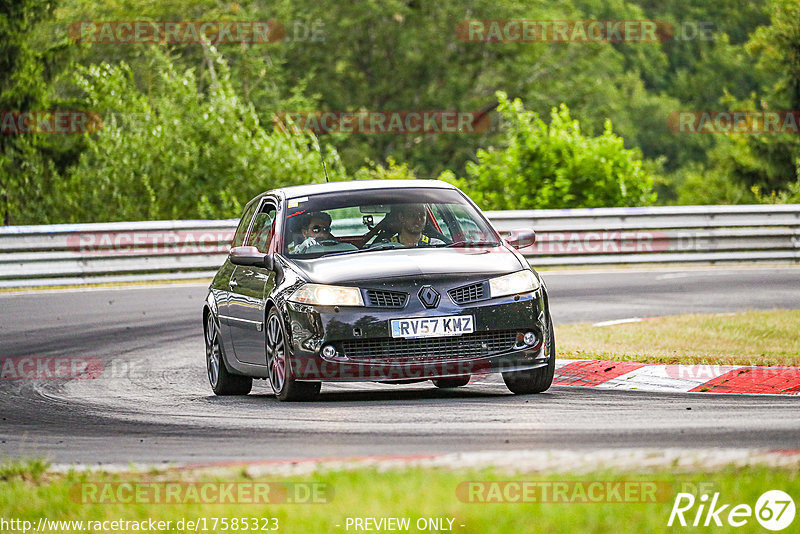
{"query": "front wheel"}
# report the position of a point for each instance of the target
(285, 388)
(535, 380)
(222, 382)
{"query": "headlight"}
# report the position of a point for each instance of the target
(322, 295)
(511, 284)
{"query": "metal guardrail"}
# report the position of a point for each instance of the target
(660, 234)
(169, 250)
(66, 254)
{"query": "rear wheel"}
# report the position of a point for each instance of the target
(222, 382)
(285, 388)
(535, 380)
(447, 383)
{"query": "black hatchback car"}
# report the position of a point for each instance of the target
(384, 280)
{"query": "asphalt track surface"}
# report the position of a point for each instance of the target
(162, 409)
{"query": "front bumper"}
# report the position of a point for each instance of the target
(495, 346)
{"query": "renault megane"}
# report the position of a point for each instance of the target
(384, 280)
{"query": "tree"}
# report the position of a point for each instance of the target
(392, 171)
(767, 163)
(554, 166)
(27, 171)
(179, 152)
(777, 48)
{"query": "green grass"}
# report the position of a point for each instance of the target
(770, 338)
(31, 470)
(413, 493)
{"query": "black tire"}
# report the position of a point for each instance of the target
(280, 373)
(447, 383)
(535, 380)
(222, 381)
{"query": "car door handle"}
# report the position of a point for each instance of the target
(233, 283)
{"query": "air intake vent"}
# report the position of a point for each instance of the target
(386, 299)
(470, 293)
(474, 345)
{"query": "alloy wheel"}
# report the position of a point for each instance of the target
(276, 354)
(212, 351)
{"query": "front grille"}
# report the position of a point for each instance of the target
(467, 294)
(475, 345)
(386, 299)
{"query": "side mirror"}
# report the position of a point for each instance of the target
(520, 238)
(251, 257)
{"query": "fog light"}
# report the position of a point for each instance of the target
(530, 338)
(328, 351)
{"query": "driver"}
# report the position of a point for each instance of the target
(315, 228)
(411, 219)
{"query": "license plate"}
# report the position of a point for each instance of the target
(453, 325)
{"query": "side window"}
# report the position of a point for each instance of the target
(244, 224)
(263, 228)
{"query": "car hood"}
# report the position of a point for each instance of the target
(408, 263)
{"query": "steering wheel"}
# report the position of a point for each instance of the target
(328, 242)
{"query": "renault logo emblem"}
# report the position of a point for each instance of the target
(429, 297)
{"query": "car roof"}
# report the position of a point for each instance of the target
(356, 185)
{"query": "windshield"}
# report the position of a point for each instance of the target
(342, 223)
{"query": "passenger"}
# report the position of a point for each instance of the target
(411, 220)
(315, 229)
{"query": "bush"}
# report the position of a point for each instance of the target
(554, 166)
(176, 151)
(392, 171)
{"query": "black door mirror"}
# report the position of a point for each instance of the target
(250, 257)
(520, 238)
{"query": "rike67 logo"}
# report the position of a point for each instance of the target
(774, 510)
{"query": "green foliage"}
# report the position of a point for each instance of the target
(392, 171)
(400, 55)
(189, 135)
(701, 186)
(791, 195)
(178, 152)
(758, 167)
(30, 470)
(554, 166)
(777, 48)
(26, 170)
(774, 160)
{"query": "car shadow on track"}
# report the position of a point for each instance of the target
(406, 395)
(387, 394)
